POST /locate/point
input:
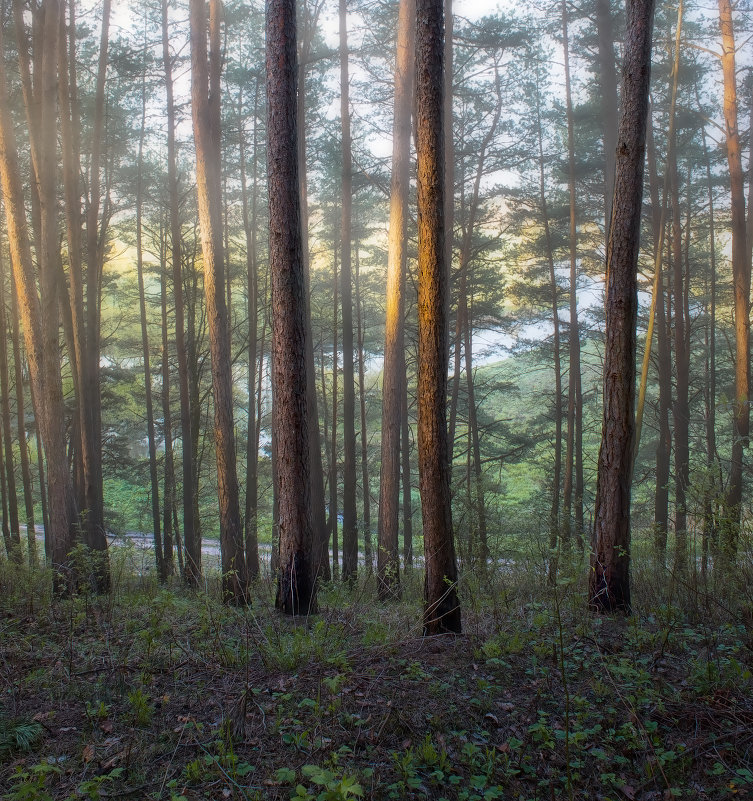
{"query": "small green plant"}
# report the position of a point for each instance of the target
(31, 784)
(141, 711)
(333, 788)
(92, 788)
(18, 735)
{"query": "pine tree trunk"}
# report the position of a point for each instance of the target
(10, 473)
(191, 539)
(365, 482)
(333, 508)
(741, 268)
(21, 427)
(609, 585)
(406, 478)
(441, 604)
(350, 514)
(151, 438)
(296, 584)
(393, 374)
(608, 93)
(168, 493)
(205, 103)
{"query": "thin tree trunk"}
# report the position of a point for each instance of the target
(393, 373)
(573, 467)
(366, 518)
(21, 426)
(554, 512)
(441, 604)
(191, 538)
(10, 474)
(333, 510)
(151, 438)
(681, 408)
(252, 284)
(609, 584)
(406, 478)
(95, 528)
(350, 514)
(167, 429)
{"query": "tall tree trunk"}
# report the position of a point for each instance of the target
(740, 282)
(333, 509)
(366, 518)
(205, 102)
(191, 538)
(40, 318)
(21, 426)
(393, 374)
(681, 406)
(168, 492)
(252, 288)
(320, 557)
(554, 512)
(405, 473)
(10, 473)
(573, 486)
(712, 486)
(350, 514)
(296, 591)
(664, 363)
(441, 604)
(609, 585)
(151, 438)
(95, 526)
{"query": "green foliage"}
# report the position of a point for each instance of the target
(18, 735)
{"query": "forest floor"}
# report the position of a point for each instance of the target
(153, 693)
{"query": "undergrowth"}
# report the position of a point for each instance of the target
(160, 693)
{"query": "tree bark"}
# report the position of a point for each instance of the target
(21, 426)
(393, 373)
(151, 438)
(205, 102)
(296, 589)
(741, 269)
(609, 585)
(441, 604)
(191, 538)
(350, 513)
(252, 289)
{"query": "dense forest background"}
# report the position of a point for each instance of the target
(534, 114)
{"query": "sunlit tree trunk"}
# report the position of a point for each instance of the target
(21, 426)
(441, 604)
(609, 584)
(740, 282)
(350, 514)
(205, 102)
(191, 538)
(10, 474)
(296, 585)
(393, 374)
(40, 318)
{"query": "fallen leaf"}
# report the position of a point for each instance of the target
(89, 753)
